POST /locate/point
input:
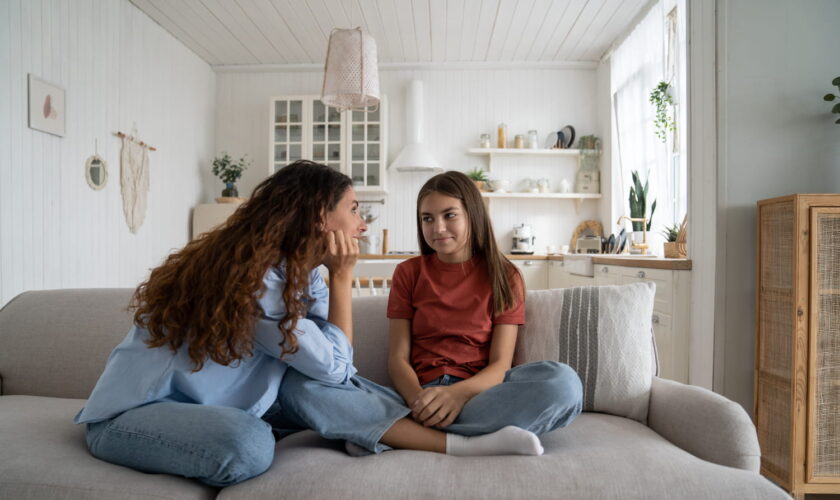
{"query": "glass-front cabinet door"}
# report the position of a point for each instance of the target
(287, 127)
(352, 142)
(327, 147)
(364, 135)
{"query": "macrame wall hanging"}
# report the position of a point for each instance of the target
(134, 179)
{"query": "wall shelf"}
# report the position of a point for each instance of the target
(577, 197)
(522, 151)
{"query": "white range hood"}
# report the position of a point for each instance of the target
(414, 156)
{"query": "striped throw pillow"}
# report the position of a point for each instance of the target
(604, 333)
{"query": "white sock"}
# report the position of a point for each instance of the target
(510, 440)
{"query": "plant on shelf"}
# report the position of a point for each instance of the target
(674, 246)
(638, 203)
(671, 232)
(830, 97)
(479, 177)
(229, 172)
(661, 98)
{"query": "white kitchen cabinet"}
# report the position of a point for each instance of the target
(560, 277)
(352, 142)
(670, 311)
(534, 272)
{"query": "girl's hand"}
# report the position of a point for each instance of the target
(438, 406)
(342, 252)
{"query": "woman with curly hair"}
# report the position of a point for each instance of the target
(193, 390)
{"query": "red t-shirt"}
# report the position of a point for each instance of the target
(451, 312)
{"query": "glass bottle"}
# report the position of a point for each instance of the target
(485, 140)
(533, 139)
(502, 140)
(519, 141)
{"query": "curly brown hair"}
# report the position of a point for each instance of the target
(206, 294)
(507, 291)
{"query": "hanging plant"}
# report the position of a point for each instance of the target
(830, 97)
(661, 99)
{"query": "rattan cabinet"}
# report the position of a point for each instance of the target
(797, 371)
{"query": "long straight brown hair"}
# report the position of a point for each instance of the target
(482, 240)
(206, 294)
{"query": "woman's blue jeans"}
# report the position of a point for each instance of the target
(217, 445)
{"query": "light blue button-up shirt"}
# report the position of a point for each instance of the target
(136, 375)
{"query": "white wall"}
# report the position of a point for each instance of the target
(776, 60)
(118, 68)
(460, 105)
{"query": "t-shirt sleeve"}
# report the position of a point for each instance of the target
(399, 298)
(516, 314)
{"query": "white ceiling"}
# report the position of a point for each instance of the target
(271, 32)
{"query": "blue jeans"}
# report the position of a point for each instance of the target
(359, 411)
(538, 397)
(217, 445)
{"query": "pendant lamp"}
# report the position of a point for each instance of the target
(351, 76)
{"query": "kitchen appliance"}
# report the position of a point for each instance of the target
(523, 239)
(588, 244)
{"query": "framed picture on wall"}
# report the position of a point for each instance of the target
(46, 106)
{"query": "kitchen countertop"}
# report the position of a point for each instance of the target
(625, 261)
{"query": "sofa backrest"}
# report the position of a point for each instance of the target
(55, 342)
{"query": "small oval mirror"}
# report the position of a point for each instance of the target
(96, 172)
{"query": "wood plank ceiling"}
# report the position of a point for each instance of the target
(272, 32)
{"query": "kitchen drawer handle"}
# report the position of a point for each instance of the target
(605, 269)
(655, 319)
(527, 263)
(641, 274)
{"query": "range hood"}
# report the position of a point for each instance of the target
(414, 156)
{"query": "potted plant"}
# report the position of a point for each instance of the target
(479, 177)
(661, 98)
(229, 172)
(638, 204)
(671, 246)
(830, 97)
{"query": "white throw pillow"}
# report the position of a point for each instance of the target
(604, 333)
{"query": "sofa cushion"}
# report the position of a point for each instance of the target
(597, 456)
(604, 333)
(43, 455)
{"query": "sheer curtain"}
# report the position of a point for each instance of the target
(636, 67)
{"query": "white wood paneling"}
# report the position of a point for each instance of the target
(241, 32)
(460, 104)
(117, 68)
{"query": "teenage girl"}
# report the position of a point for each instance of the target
(198, 387)
(455, 312)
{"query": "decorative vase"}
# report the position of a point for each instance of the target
(480, 185)
(230, 190)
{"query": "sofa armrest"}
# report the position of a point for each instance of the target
(704, 424)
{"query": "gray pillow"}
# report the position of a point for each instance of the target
(604, 333)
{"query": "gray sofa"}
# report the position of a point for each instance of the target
(53, 346)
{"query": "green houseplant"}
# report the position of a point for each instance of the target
(229, 172)
(638, 203)
(661, 98)
(479, 177)
(671, 232)
(830, 97)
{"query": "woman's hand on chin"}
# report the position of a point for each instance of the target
(342, 253)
